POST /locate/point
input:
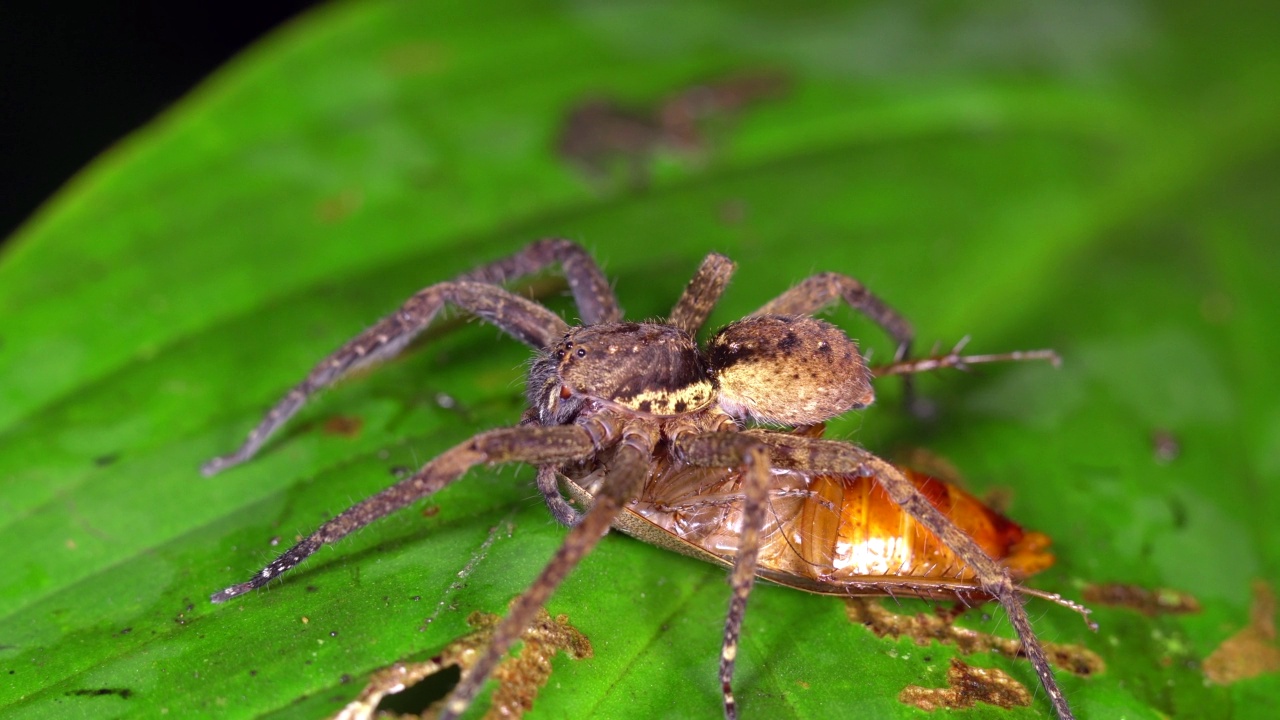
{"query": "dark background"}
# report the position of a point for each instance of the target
(77, 77)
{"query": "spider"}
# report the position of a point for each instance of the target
(624, 402)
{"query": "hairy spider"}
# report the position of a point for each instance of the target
(617, 405)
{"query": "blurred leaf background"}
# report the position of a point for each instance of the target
(1097, 177)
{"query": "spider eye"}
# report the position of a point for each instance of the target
(559, 354)
(582, 353)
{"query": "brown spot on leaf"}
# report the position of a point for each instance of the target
(1148, 602)
(924, 628)
(967, 686)
(336, 208)
(519, 677)
(602, 135)
(1252, 651)
(343, 425)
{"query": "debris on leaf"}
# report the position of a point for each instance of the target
(1159, 601)
(966, 687)
(343, 426)
(1165, 446)
(519, 677)
(1252, 651)
(600, 133)
(924, 627)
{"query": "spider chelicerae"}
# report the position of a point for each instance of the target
(628, 403)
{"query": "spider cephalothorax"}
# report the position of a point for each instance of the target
(645, 367)
(638, 423)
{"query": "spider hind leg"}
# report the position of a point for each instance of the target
(477, 292)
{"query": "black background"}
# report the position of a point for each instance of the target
(77, 77)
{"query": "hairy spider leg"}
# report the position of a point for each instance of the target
(622, 484)
(591, 290)
(532, 444)
(817, 292)
(734, 449)
(791, 451)
(702, 293)
(955, 360)
(475, 292)
(524, 319)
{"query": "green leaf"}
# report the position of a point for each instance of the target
(1099, 178)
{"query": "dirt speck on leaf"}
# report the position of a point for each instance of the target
(343, 426)
(519, 677)
(1149, 602)
(1165, 446)
(967, 686)
(1252, 651)
(923, 628)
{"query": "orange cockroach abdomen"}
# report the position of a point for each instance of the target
(871, 536)
(838, 534)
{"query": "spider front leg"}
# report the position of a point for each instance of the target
(533, 444)
(591, 291)
(527, 321)
(702, 293)
(730, 449)
(629, 468)
(523, 319)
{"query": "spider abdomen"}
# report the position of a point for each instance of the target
(788, 370)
